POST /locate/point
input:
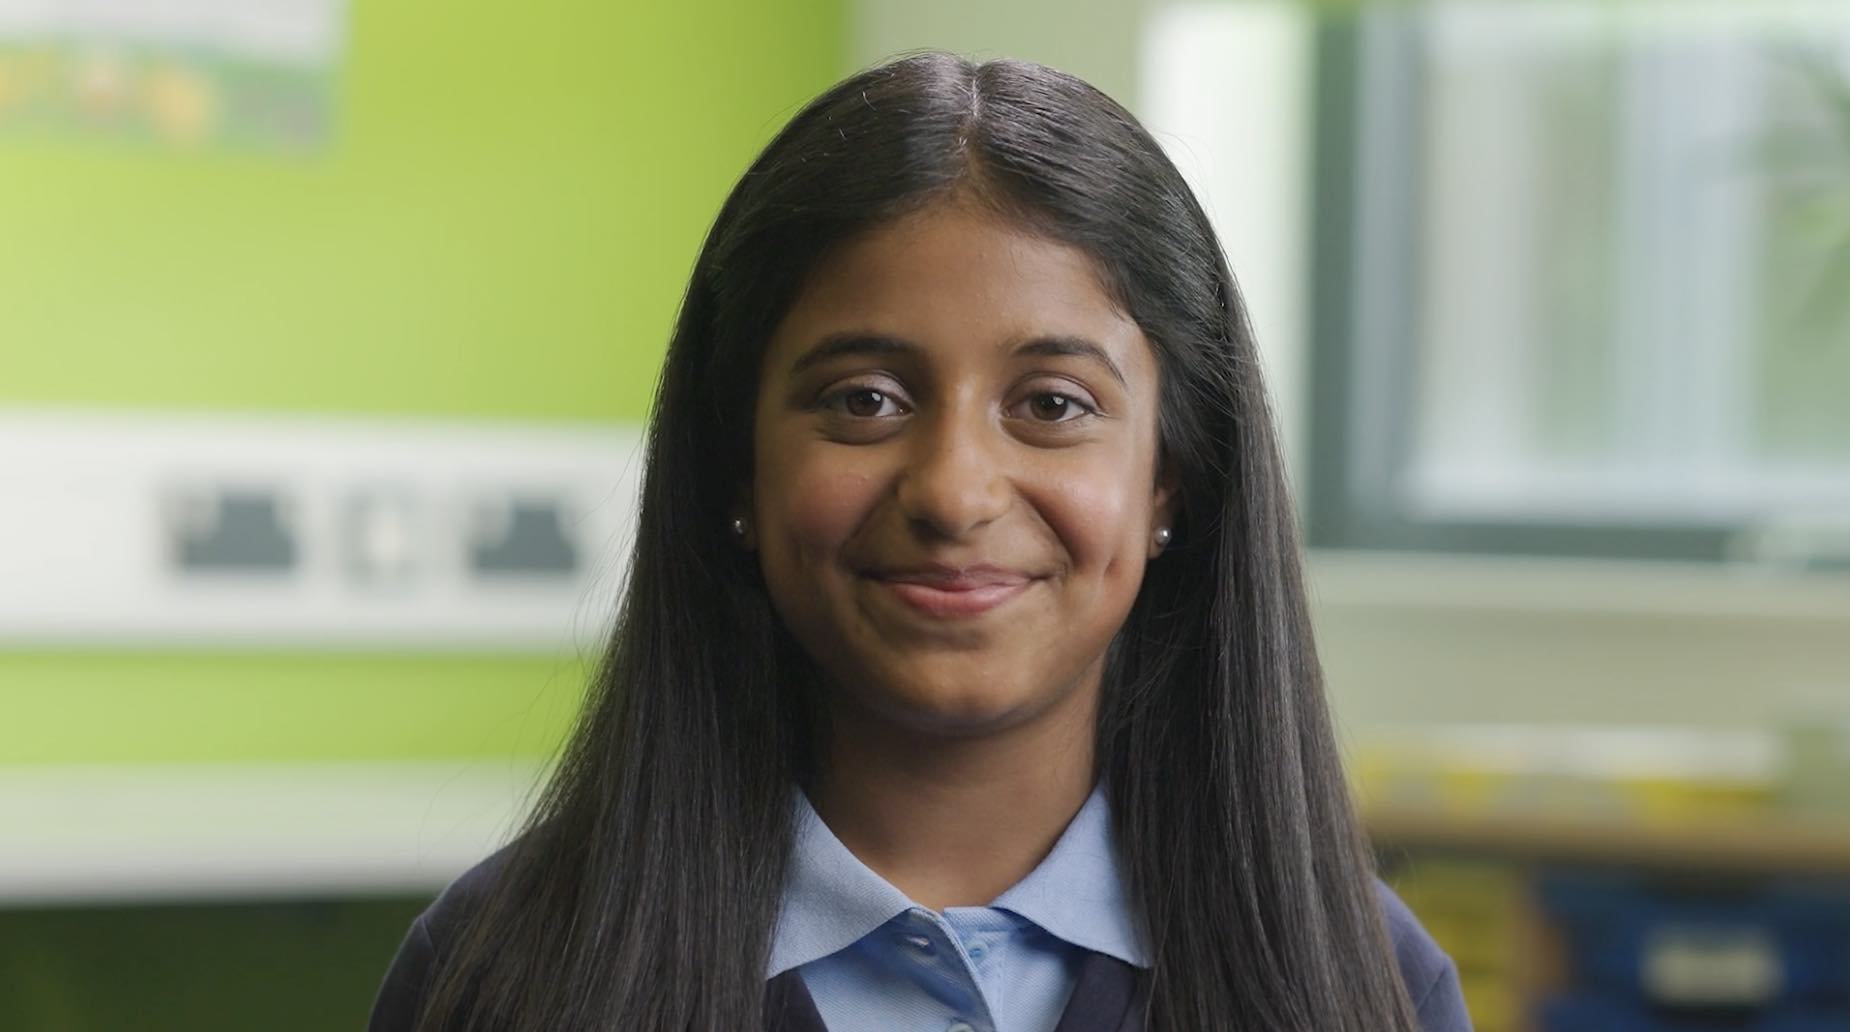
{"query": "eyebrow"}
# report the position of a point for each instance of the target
(852, 342)
(1075, 347)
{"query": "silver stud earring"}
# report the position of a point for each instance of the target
(738, 526)
(1162, 537)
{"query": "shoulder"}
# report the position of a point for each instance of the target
(408, 979)
(453, 906)
(1429, 975)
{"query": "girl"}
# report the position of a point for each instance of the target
(963, 678)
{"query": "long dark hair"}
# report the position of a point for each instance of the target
(643, 891)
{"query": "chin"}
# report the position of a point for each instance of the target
(954, 712)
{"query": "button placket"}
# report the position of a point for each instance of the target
(943, 948)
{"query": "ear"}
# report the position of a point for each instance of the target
(1165, 501)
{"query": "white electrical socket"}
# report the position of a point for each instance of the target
(193, 530)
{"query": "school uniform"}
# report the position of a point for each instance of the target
(1058, 952)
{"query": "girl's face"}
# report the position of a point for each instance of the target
(955, 482)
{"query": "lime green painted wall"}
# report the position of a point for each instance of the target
(501, 227)
(134, 707)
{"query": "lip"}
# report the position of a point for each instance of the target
(950, 592)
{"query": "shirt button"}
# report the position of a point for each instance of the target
(977, 950)
(960, 1026)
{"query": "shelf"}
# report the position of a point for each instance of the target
(1373, 581)
(200, 832)
(1720, 845)
(85, 834)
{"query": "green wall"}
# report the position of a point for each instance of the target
(500, 227)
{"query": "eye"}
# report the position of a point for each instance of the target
(1055, 407)
(863, 403)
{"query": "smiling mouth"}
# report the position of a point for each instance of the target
(945, 593)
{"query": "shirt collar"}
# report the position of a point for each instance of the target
(1078, 893)
(831, 899)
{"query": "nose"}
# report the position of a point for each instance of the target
(955, 479)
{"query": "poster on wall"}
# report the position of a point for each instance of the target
(183, 74)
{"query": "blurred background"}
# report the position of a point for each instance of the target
(328, 328)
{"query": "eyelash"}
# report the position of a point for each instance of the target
(836, 401)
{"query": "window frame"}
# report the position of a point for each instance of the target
(1362, 371)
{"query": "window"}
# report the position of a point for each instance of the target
(1582, 280)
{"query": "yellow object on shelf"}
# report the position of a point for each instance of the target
(1653, 774)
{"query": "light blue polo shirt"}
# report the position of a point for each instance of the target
(873, 959)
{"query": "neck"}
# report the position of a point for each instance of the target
(955, 821)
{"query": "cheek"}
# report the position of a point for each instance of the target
(816, 505)
(1100, 517)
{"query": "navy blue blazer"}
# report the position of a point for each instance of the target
(1110, 995)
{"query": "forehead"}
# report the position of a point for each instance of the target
(955, 280)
